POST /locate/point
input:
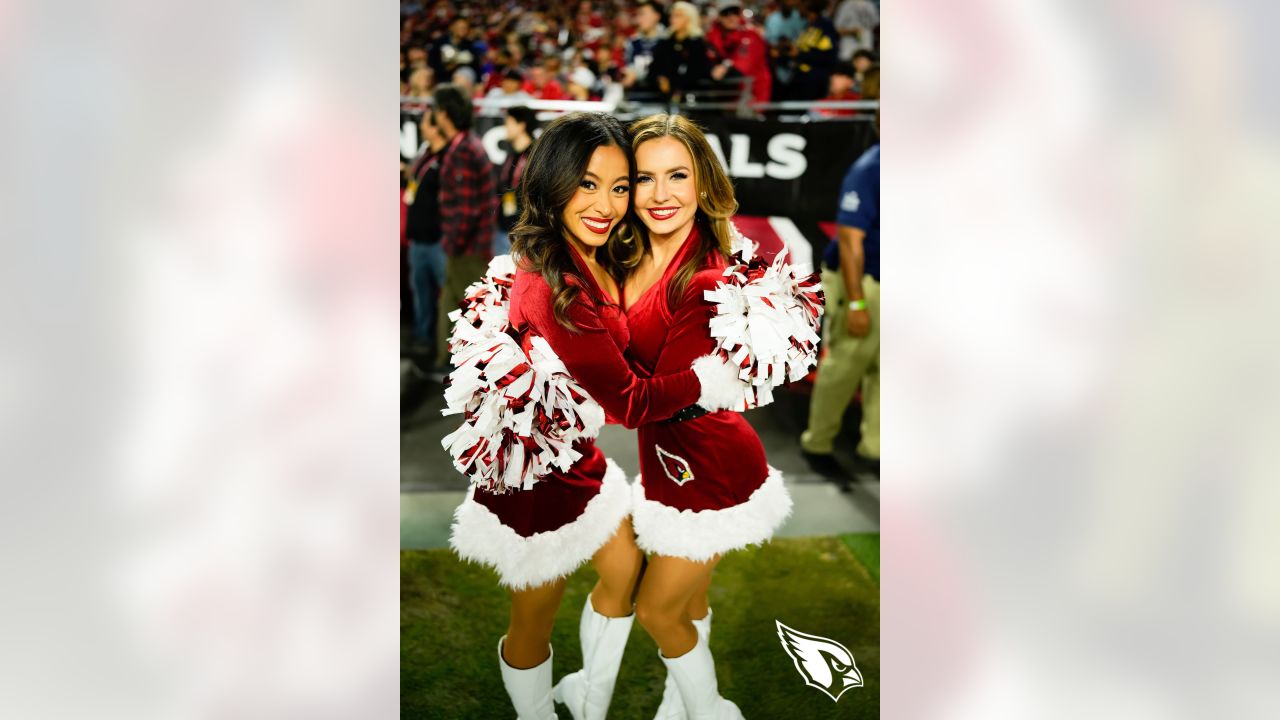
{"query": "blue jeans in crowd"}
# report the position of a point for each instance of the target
(501, 242)
(426, 277)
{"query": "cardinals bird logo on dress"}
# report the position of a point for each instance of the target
(822, 662)
(676, 467)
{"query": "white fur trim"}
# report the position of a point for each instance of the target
(702, 534)
(721, 388)
(525, 562)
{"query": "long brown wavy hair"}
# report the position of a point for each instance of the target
(557, 163)
(715, 207)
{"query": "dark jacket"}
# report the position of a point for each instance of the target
(685, 63)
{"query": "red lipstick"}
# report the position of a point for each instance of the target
(604, 223)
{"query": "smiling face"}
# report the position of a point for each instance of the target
(601, 200)
(666, 191)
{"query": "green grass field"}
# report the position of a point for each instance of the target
(452, 614)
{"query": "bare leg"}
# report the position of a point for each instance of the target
(618, 565)
(698, 605)
(533, 613)
(662, 605)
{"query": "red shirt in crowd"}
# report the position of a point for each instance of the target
(551, 91)
(747, 49)
(468, 198)
(840, 112)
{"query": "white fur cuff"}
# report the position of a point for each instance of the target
(721, 387)
(703, 534)
(526, 562)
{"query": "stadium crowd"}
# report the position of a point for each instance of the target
(676, 51)
(661, 51)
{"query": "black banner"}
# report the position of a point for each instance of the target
(792, 169)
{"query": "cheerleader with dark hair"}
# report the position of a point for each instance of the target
(539, 347)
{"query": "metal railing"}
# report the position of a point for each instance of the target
(630, 107)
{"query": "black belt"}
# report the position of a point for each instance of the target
(689, 413)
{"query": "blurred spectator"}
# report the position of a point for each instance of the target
(465, 80)
(510, 88)
(618, 41)
(610, 59)
(863, 62)
(420, 82)
(856, 21)
(555, 68)
(840, 88)
(682, 61)
(785, 23)
(581, 83)
(851, 281)
(781, 29)
(542, 84)
(417, 57)
(814, 54)
(422, 228)
(457, 49)
(870, 88)
(468, 206)
(520, 125)
(588, 24)
(639, 57)
(495, 67)
(742, 51)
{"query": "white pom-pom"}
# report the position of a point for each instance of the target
(768, 321)
(522, 412)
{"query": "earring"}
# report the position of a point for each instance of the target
(703, 195)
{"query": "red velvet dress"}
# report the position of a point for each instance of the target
(537, 535)
(705, 486)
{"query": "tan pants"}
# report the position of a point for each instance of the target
(459, 272)
(849, 361)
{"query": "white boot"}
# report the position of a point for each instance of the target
(588, 691)
(671, 707)
(695, 675)
(530, 690)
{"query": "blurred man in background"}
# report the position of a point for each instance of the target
(639, 55)
(468, 206)
(541, 83)
(840, 87)
(742, 50)
(422, 228)
(851, 281)
(814, 54)
(856, 21)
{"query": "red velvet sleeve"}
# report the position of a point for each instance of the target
(594, 360)
(690, 335)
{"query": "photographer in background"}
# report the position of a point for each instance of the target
(519, 123)
(422, 229)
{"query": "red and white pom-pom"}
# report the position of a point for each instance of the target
(768, 320)
(483, 311)
(522, 411)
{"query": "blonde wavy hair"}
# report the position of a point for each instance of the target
(695, 18)
(716, 201)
